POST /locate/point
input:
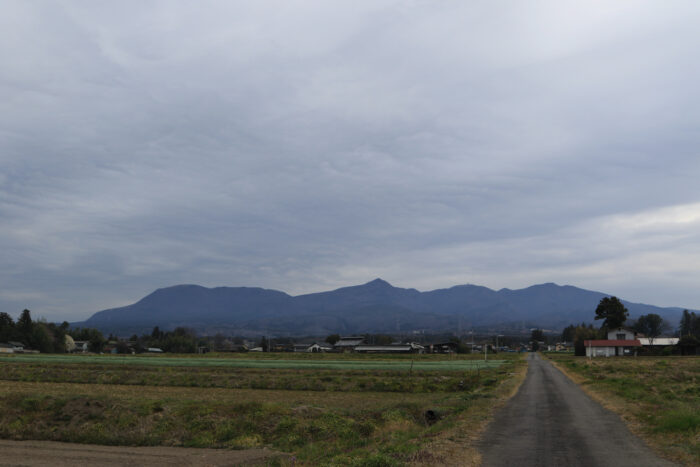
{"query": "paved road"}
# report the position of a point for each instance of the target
(53, 454)
(552, 422)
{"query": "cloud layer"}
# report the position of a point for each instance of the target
(308, 145)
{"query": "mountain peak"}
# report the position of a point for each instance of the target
(378, 282)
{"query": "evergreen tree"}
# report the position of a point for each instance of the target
(567, 334)
(333, 338)
(650, 325)
(7, 328)
(612, 312)
(25, 325)
(686, 325)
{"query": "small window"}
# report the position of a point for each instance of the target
(621, 337)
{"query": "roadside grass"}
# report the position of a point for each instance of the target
(659, 397)
(340, 417)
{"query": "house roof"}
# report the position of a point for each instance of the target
(383, 348)
(612, 343)
(389, 347)
(349, 341)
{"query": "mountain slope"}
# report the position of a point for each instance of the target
(376, 306)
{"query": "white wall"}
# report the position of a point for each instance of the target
(612, 334)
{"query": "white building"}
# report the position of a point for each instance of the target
(620, 342)
(658, 341)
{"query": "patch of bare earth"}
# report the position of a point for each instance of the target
(50, 453)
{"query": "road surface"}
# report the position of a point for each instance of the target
(552, 422)
(49, 453)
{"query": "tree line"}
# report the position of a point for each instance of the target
(39, 335)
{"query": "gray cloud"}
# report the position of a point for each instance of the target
(308, 145)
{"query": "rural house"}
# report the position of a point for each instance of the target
(621, 341)
(444, 347)
(313, 348)
(348, 344)
(80, 346)
(17, 346)
(316, 347)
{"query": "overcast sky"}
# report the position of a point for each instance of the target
(304, 146)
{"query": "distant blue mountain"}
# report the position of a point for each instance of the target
(376, 306)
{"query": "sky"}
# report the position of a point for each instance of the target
(308, 145)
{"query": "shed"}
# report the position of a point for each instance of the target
(658, 341)
(611, 347)
(392, 348)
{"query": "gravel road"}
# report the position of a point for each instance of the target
(552, 422)
(49, 453)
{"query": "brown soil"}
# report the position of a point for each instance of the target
(50, 453)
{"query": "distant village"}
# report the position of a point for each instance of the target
(647, 335)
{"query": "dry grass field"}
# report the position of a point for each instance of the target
(658, 397)
(314, 416)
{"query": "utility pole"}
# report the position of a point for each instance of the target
(590, 351)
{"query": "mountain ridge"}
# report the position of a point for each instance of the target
(376, 306)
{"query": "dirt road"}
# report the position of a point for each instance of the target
(48, 453)
(552, 422)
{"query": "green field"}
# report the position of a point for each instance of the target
(402, 364)
(323, 410)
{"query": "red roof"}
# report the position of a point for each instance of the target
(613, 343)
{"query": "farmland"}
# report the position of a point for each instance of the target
(357, 363)
(658, 397)
(345, 410)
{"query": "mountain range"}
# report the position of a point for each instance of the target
(374, 307)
